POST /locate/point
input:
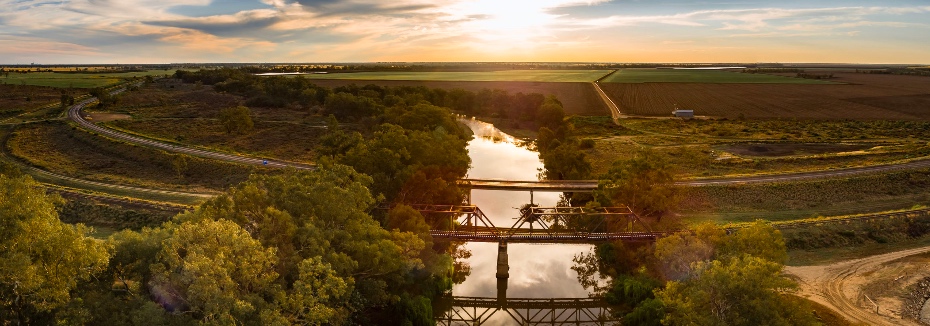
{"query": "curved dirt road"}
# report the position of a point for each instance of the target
(837, 285)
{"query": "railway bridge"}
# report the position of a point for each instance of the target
(462, 310)
(524, 311)
(543, 225)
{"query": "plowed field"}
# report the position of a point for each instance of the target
(867, 97)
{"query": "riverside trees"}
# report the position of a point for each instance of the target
(42, 260)
(704, 277)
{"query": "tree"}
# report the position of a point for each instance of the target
(550, 114)
(645, 183)
(348, 106)
(760, 239)
(179, 163)
(566, 162)
(322, 215)
(41, 259)
(739, 291)
(678, 253)
(237, 120)
(214, 270)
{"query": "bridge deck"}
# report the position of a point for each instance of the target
(544, 186)
(528, 303)
(541, 236)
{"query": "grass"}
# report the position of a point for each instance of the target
(21, 99)
(701, 76)
(75, 80)
(807, 199)
(58, 148)
(504, 75)
(714, 148)
(824, 256)
(188, 116)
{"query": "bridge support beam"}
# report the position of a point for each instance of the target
(503, 263)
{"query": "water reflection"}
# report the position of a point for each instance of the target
(536, 270)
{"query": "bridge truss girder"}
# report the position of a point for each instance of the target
(477, 315)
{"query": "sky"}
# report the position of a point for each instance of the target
(173, 31)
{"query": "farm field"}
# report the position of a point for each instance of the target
(576, 98)
(502, 75)
(701, 76)
(75, 80)
(861, 97)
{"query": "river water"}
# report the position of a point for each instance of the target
(536, 270)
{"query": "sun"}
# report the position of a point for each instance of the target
(513, 22)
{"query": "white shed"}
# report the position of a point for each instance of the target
(687, 114)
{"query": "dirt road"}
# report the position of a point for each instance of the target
(838, 286)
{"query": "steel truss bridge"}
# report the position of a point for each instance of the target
(526, 311)
(543, 225)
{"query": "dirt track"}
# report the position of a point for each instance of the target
(839, 287)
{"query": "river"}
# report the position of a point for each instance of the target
(536, 270)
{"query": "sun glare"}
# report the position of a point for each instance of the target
(508, 21)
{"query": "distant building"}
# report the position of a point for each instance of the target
(686, 114)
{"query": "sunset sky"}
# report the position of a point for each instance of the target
(166, 31)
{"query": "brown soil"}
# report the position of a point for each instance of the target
(577, 98)
(775, 150)
(866, 290)
(861, 96)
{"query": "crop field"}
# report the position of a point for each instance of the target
(861, 97)
(503, 75)
(75, 80)
(701, 76)
(576, 98)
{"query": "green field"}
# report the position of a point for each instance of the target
(701, 76)
(76, 80)
(506, 75)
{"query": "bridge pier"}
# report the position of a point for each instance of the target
(502, 291)
(503, 263)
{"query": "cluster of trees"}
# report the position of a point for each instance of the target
(918, 71)
(279, 91)
(405, 138)
(807, 75)
(772, 70)
(704, 277)
(332, 246)
(104, 98)
(295, 248)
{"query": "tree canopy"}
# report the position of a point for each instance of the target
(645, 183)
(42, 260)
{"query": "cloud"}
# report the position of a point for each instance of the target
(378, 30)
(763, 18)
